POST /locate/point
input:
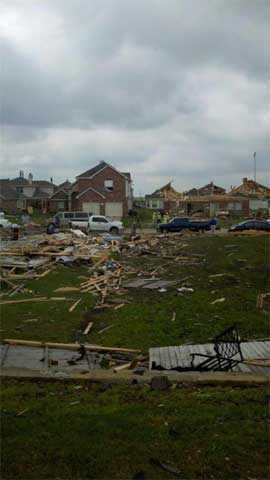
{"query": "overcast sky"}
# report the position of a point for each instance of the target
(165, 89)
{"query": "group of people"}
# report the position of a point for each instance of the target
(160, 217)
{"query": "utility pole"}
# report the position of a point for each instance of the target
(255, 166)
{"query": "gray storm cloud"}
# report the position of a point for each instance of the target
(163, 89)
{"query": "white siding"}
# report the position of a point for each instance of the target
(258, 204)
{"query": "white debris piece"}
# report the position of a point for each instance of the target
(185, 289)
(78, 233)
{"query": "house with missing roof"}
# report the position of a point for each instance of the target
(209, 189)
(164, 198)
(258, 194)
(103, 190)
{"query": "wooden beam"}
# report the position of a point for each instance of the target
(37, 299)
(68, 346)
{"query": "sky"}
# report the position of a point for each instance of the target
(165, 89)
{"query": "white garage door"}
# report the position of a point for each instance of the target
(91, 207)
(114, 209)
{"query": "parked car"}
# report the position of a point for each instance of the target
(177, 224)
(252, 224)
(99, 223)
(67, 218)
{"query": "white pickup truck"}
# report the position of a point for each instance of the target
(99, 223)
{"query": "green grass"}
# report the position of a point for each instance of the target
(144, 217)
(54, 321)
(114, 433)
(146, 320)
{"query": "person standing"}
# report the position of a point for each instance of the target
(213, 224)
(25, 218)
(56, 221)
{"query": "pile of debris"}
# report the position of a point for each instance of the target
(35, 257)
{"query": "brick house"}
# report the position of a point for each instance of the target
(61, 198)
(20, 193)
(103, 190)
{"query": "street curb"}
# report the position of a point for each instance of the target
(129, 378)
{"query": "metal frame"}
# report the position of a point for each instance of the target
(226, 347)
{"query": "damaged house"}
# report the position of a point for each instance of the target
(258, 194)
(211, 205)
(164, 198)
(209, 189)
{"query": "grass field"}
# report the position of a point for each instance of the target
(70, 431)
(90, 431)
(146, 320)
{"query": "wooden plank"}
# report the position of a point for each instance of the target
(88, 328)
(68, 346)
(67, 289)
(74, 305)
(37, 299)
(122, 367)
(119, 306)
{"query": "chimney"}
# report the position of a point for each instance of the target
(30, 178)
(245, 180)
(21, 174)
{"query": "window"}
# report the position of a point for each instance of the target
(99, 220)
(249, 225)
(82, 215)
(108, 184)
(69, 215)
(61, 205)
(19, 189)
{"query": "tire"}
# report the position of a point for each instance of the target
(161, 230)
(114, 231)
